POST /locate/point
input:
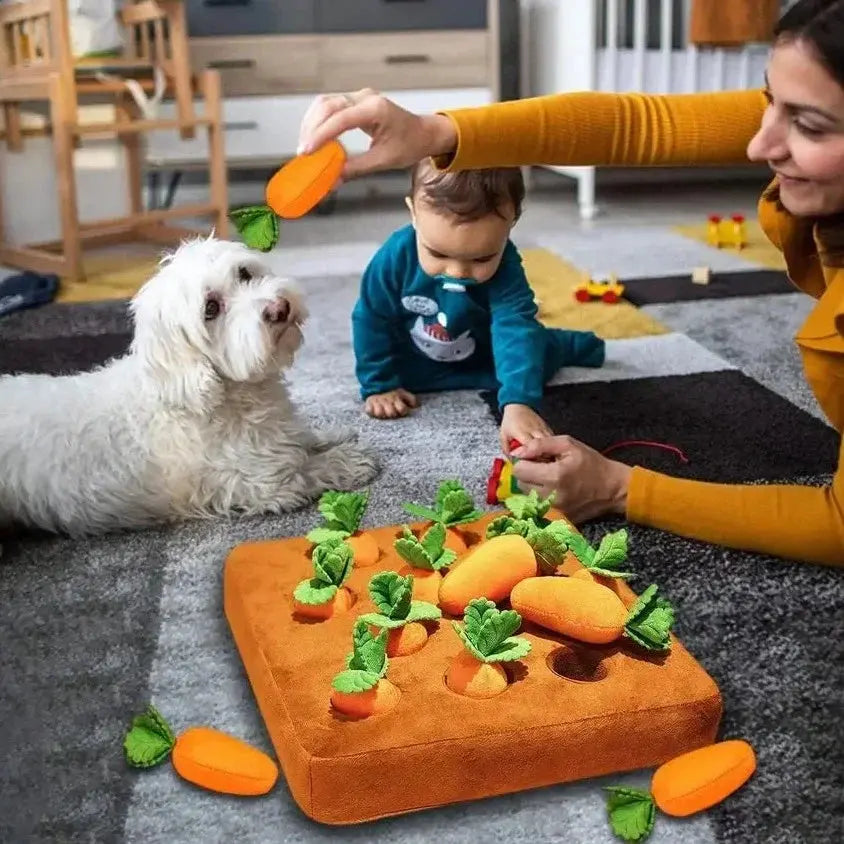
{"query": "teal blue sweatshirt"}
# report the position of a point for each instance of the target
(421, 333)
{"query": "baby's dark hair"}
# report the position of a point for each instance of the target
(468, 195)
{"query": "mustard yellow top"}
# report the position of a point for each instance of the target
(796, 522)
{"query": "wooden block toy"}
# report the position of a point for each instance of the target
(362, 735)
(701, 275)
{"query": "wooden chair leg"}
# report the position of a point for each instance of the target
(217, 171)
(12, 120)
(125, 111)
(63, 146)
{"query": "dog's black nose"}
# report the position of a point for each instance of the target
(277, 311)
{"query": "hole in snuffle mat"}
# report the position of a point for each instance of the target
(578, 663)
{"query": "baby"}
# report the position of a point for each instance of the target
(445, 305)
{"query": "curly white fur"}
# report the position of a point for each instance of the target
(194, 421)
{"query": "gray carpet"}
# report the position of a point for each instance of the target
(93, 630)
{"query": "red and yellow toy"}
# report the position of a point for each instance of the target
(501, 484)
(608, 290)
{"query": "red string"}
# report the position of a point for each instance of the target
(665, 446)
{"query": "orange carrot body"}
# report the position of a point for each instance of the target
(375, 701)
(454, 541)
(702, 778)
(365, 549)
(220, 762)
(490, 570)
(426, 584)
(468, 676)
(574, 607)
(342, 602)
(402, 641)
(585, 574)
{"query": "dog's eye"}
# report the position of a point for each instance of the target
(243, 274)
(212, 309)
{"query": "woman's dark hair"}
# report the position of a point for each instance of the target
(819, 24)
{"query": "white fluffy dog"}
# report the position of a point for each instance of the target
(194, 421)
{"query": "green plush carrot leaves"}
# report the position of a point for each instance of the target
(257, 225)
(332, 562)
(149, 740)
(487, 632)
(551, 544)
(392, 595)
(610, 556)
(650, 621)
(366, 664)
(632, 812)
(575, 541)
(530, 506)
(453, 506)
(427, 552)
(508, 525)
(342, 513)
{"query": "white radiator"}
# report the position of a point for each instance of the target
(625, 46)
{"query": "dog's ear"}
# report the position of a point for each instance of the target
(173, 360)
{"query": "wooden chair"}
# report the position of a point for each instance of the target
(37, 66)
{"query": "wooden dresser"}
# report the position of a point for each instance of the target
(274, 56)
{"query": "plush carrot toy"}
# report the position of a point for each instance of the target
(294, 189)
(688, 784)
(550, 543)
(342, 513)
(453, 507)
(363, 689)
(589, 612)
(324, 595)
(398, 613)
(490, 570)
(426, 557)
(201, 755)
(488, 641)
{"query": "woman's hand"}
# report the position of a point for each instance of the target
(400, 138)
(586, 484)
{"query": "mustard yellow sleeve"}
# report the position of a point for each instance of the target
(794, 522)
(605, 129)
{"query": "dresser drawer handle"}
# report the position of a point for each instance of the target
(241, 126)
(409, 58)
(232, 64)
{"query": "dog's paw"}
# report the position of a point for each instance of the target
(344, 467)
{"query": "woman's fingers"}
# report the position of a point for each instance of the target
(544, 447)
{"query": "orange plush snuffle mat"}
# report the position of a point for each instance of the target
(500, 641)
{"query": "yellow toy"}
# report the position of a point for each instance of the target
(608, 290)
(732, 232)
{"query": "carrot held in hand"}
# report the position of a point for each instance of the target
(324, 595)
(201, 755)
(589, 612)
(684, 786)
(342, 513)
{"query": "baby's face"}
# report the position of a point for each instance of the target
(460, 249)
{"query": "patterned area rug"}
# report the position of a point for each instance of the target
(94, 630)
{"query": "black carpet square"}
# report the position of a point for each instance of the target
(729, 427)
(60, 355)
(722, 285)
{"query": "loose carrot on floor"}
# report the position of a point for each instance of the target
(592, 613)
(398, 613)
(490, 570)
(363, 690)
(686, 785)
(488, 641)
(426, 558)
(342, 513)
(201, 755)
(324, 595)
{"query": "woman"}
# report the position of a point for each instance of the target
(797, 126)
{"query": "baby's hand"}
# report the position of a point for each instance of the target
(522, 423)
(390, 405)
